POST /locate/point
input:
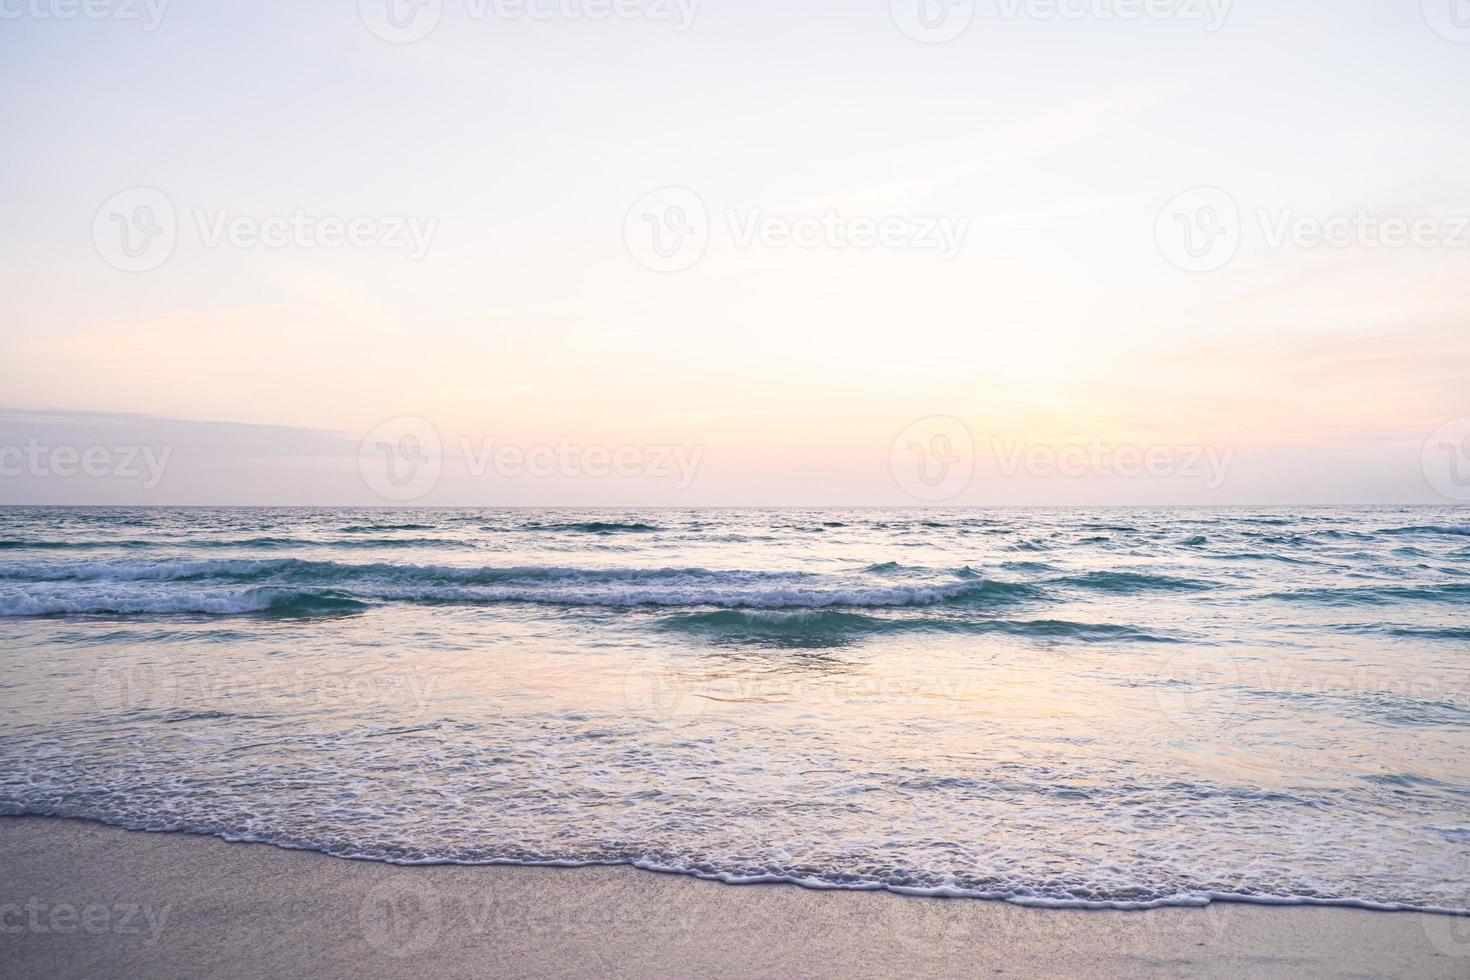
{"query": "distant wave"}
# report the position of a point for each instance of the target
(1260, 556)
(1377, 595)
(829, 627)
(1063, 630)
(1430, 632)
(261, 543)
(275, 602)
(1459, 530)
(593, 527)
(884, 567)
(32, 544)
(1129, 583)
(885, 585)
(616, 588)
(824, 628)
(1113, 583)
(1406, 632)
(287, 543)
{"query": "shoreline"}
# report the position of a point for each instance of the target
(1205, 900)
(81, 898)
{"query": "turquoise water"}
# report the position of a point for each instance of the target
(1121, 708)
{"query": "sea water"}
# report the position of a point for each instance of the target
(1097, 708)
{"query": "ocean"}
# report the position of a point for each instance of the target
(1083, 708)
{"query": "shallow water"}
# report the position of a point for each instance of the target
(1091, 707)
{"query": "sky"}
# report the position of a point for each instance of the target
(873, 252)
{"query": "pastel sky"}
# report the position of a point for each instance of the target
(522, 148)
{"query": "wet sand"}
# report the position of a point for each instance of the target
(84, 900)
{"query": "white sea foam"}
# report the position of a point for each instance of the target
(202, 586)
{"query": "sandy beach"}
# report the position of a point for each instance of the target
(85, 900)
